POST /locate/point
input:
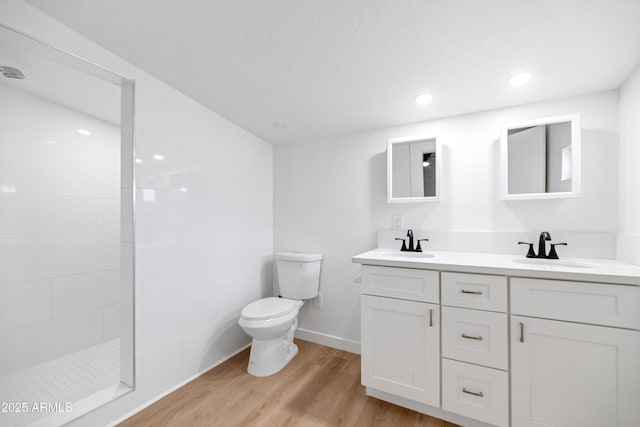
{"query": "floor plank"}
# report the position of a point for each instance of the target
(320, 387)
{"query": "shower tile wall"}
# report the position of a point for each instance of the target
(217, 233)
(59, 231)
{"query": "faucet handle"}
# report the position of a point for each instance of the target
(531, 253)
(552, 253)
(418, 248)
(404, 245)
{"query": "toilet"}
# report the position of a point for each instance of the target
(272, 321)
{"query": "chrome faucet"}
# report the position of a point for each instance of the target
(417, 248)
(542, 249)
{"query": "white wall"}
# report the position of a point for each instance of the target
(330, 196)
(59, 231)
(629, 237)
(201, 254)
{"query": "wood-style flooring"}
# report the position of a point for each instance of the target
(319, 387)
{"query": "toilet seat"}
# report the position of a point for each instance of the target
(268, 308)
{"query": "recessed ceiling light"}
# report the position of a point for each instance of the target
(519, 79)
(50, 141)
(279, 125)
(138, 161)
(423, 99)
(425, 164)
(84, 132)
(158, 156)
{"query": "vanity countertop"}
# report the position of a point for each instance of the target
(589, 270)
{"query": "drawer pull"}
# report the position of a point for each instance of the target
(471, 337)
(431, 317)
(464, 291)
(521, 332)
(475, 393)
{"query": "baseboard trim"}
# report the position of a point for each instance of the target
(175, 387)
(333, 341)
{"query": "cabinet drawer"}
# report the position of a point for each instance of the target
(477, 291)
(473, 336)
(404, 283)
(475, 392)
(600, 304)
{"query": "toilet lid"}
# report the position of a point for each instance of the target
(268, 308)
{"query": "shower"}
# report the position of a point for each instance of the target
(66, 341)
(11, 72)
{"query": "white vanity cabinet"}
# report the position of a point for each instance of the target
(401, 348)
(491, 345)
(565, 373)
(573, 375)
(400, 337)
(475, 379)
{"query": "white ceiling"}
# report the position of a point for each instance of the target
(333, 67)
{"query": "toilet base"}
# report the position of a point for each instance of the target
(268, 357)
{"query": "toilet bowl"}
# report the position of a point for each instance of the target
(272, 321)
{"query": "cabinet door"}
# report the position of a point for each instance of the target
(568, 374)
(401, 348)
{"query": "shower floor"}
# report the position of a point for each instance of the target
(71, 379)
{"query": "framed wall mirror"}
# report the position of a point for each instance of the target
(414, 169)
(540, 159)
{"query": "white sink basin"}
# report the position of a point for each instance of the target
(400, 254)
(550, 262)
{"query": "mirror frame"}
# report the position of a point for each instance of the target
(576, 156)
(439, 162)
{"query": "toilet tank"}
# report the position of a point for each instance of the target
(298, 274)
